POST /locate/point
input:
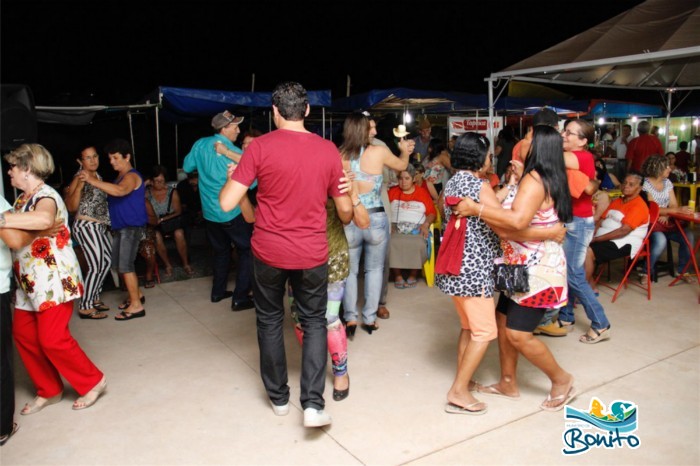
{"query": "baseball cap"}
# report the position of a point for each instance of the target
(224, 118)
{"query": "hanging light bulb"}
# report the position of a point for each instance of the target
(696, 122)
(601, 121)
(682, 127)
(634, 118)
(407, 118)
(662, 130)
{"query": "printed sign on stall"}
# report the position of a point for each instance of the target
(459, 124)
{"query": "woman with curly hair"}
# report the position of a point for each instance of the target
(48, 281)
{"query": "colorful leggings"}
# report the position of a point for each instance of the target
(337, 340)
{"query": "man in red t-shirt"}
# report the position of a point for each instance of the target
(297, 171)
(640, 148)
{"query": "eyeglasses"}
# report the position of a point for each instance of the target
(569, 133)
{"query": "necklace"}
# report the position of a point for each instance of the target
(26, 196)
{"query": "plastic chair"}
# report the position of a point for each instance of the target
(643, 253)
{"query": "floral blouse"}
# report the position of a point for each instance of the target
(47, 270)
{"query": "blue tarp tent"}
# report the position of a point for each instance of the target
(181, 104)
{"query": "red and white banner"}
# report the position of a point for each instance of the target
(458, 125)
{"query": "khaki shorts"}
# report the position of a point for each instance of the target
(478, 315)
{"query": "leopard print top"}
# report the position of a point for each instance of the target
(480, 247)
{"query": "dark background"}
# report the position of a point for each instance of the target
(116, 53)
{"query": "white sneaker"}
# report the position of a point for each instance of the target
(316, 418)
(281, 410)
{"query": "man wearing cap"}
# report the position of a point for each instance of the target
(210, 157)
(420, 153)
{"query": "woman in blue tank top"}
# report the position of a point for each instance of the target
(366, 162)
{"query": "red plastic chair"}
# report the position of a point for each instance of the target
(643, 253)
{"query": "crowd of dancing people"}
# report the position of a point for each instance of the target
(527, 208)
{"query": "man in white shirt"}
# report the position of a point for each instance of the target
(620, 148)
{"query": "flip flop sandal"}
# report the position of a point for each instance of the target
(94, 315)
(411, 283)
(494, 391)
(400, 284)
(456, 409)
(150, 284)
(127, 303)
(130, 315)
(563, 398)
(100, 306)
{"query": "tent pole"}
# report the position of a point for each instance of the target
(269, 121)
(131, 133)
(669, 93)
(158, 135)
(489, 82)
(323, 121)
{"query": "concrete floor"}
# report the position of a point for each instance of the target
(184, 389)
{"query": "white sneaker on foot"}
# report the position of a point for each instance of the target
(280, 410)
(316, 418)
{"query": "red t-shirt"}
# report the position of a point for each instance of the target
(296, 172)
(640, 148)
(582, 206)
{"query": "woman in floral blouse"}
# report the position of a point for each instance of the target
(48, 281)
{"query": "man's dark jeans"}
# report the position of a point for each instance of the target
(220, 236)
(310, 288)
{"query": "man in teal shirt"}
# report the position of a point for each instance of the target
(210, 156)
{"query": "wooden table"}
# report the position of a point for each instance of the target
(678, 218)
(692, 187)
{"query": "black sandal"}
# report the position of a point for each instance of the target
(127, 303)
(94, 315)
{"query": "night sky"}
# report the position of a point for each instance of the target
(102, 52)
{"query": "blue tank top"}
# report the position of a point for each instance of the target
(372, 198)
(129, 210)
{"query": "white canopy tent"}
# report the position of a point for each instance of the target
(652, 47)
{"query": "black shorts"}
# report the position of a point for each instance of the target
(605, 251)
(521, 318)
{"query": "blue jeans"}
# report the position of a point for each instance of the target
(374, 241)
(220, 236)
(659, 240)
(579, 234)
(310, 290)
